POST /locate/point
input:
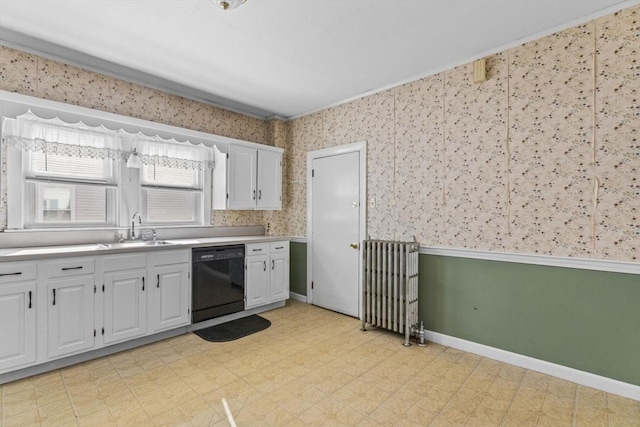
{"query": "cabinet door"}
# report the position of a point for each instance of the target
(170, 296)
(242, 177)
(279, 280)
(125, 305)
(17, 325)
(269, 180)
(70, 315)
(257, 281)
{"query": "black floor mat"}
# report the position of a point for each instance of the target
(234, 329)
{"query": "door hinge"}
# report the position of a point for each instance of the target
(188, 311)
(103, 287)
(313, 173)
(102, 331)
(227, 155)
(227, 196)
(94, 289)
(189, 275)
(311, 285)
(94, 332)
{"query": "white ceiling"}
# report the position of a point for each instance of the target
(281, 57)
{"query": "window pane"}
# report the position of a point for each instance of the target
(71, 203)
(160, 175)
(91, 204)
(171, 206)
(56, 202)
(70, 167)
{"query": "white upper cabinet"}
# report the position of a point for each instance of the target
(242, 177)
(247, 178)
(269, 180)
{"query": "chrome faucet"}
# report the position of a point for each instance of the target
(133, 224)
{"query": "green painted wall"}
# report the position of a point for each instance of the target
(587, 320)
(298, 268)
(583, 319)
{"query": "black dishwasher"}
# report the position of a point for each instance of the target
(217, 282)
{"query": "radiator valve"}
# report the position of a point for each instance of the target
(421, 342)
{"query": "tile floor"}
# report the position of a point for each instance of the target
(311, 367)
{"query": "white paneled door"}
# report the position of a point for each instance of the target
(335, 228)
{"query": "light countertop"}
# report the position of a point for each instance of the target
(108, 248)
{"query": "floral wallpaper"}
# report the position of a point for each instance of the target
(617, 136)
(543, 157)
(550, 143)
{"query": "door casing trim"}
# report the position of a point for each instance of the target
(361, 148)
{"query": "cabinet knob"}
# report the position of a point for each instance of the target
(354, 245)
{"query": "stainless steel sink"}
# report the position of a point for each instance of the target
(135, 243)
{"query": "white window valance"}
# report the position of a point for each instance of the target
(171, 153)
(31, 133)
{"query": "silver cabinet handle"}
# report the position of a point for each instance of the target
(259, 194)
(273, 264)
(265, 265)
(254, 194)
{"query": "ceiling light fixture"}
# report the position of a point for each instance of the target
(228, 4)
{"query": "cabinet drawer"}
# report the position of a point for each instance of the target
(124, 262)
(70, 267)
(171, 257)
(257, 249)
(277, 247)
(17, 271)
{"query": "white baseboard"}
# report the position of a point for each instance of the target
(297, 297)
(574, 375)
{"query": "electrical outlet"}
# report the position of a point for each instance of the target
(372, 202)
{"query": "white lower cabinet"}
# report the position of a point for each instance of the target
(125, 297)
(171, 290)
(279, 277)
(257, 286)
(267, 278)
(17, 316)
(70, 315)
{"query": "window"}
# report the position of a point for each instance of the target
(172, 182)
(65, 190)
(171, 195)
(64, 175)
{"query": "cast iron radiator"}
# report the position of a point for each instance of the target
(390, 286)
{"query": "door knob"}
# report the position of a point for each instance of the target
(354, 245)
